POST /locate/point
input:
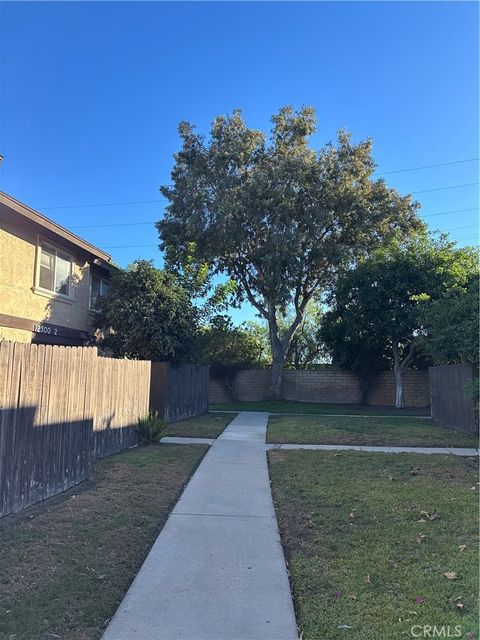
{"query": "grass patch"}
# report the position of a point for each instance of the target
(318, 408)
(209, 425)
(67, 563)
(351, 524)
(412, 432)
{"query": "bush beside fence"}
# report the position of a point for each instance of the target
(61, 408)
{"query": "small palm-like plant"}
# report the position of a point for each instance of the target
(149, 428)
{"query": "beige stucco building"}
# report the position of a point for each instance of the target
(49, 278)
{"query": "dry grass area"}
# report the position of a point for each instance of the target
(67, 563)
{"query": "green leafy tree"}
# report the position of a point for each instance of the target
(227, 349)
(148, 315)
(361, 352)
(260, 331)
(280, 218)
(451, 327)
(376, 319)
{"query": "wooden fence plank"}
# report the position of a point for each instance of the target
(452, 406)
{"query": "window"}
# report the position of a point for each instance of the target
(98, 287)
(55, 270)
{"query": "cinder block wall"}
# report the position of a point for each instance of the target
(416, 386)
(326, 385)
(322, 385)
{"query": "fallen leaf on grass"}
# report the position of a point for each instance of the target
(421, 538)
(451, 575)
(427, 517)
(367, 579)
(458, 604)
(462, 547)
(352, 596)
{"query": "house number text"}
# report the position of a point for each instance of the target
(42, 328)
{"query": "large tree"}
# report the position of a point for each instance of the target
(280, 218)
(147, 314)
(376, 318)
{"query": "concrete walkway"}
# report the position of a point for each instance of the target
(456, 451)
(332, 415)
(217, 570)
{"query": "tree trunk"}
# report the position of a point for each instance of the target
(278, 360)
(280, 348)
(399, 368)
(399, 398)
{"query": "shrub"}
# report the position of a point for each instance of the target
(149, 428)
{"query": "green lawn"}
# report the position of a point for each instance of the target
(284, 406)
(67, 563)
(409, 431)
(370, 537)
(209, 425)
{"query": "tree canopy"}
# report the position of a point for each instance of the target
(221, 344)
(377, 306)
(280, 218)
(227, 349)
(147, 315)
(450, 324)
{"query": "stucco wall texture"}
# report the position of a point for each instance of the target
(326, 385)
(18, 258)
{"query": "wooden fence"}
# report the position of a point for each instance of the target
(61, 408)
(178, 391)
(451, 404)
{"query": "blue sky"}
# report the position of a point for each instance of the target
(91, 95)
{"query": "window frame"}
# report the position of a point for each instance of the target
(102, 280)
(55, 249)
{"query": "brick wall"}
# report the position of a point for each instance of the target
(326, 385)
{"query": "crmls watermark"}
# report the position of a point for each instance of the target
(434, 631)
